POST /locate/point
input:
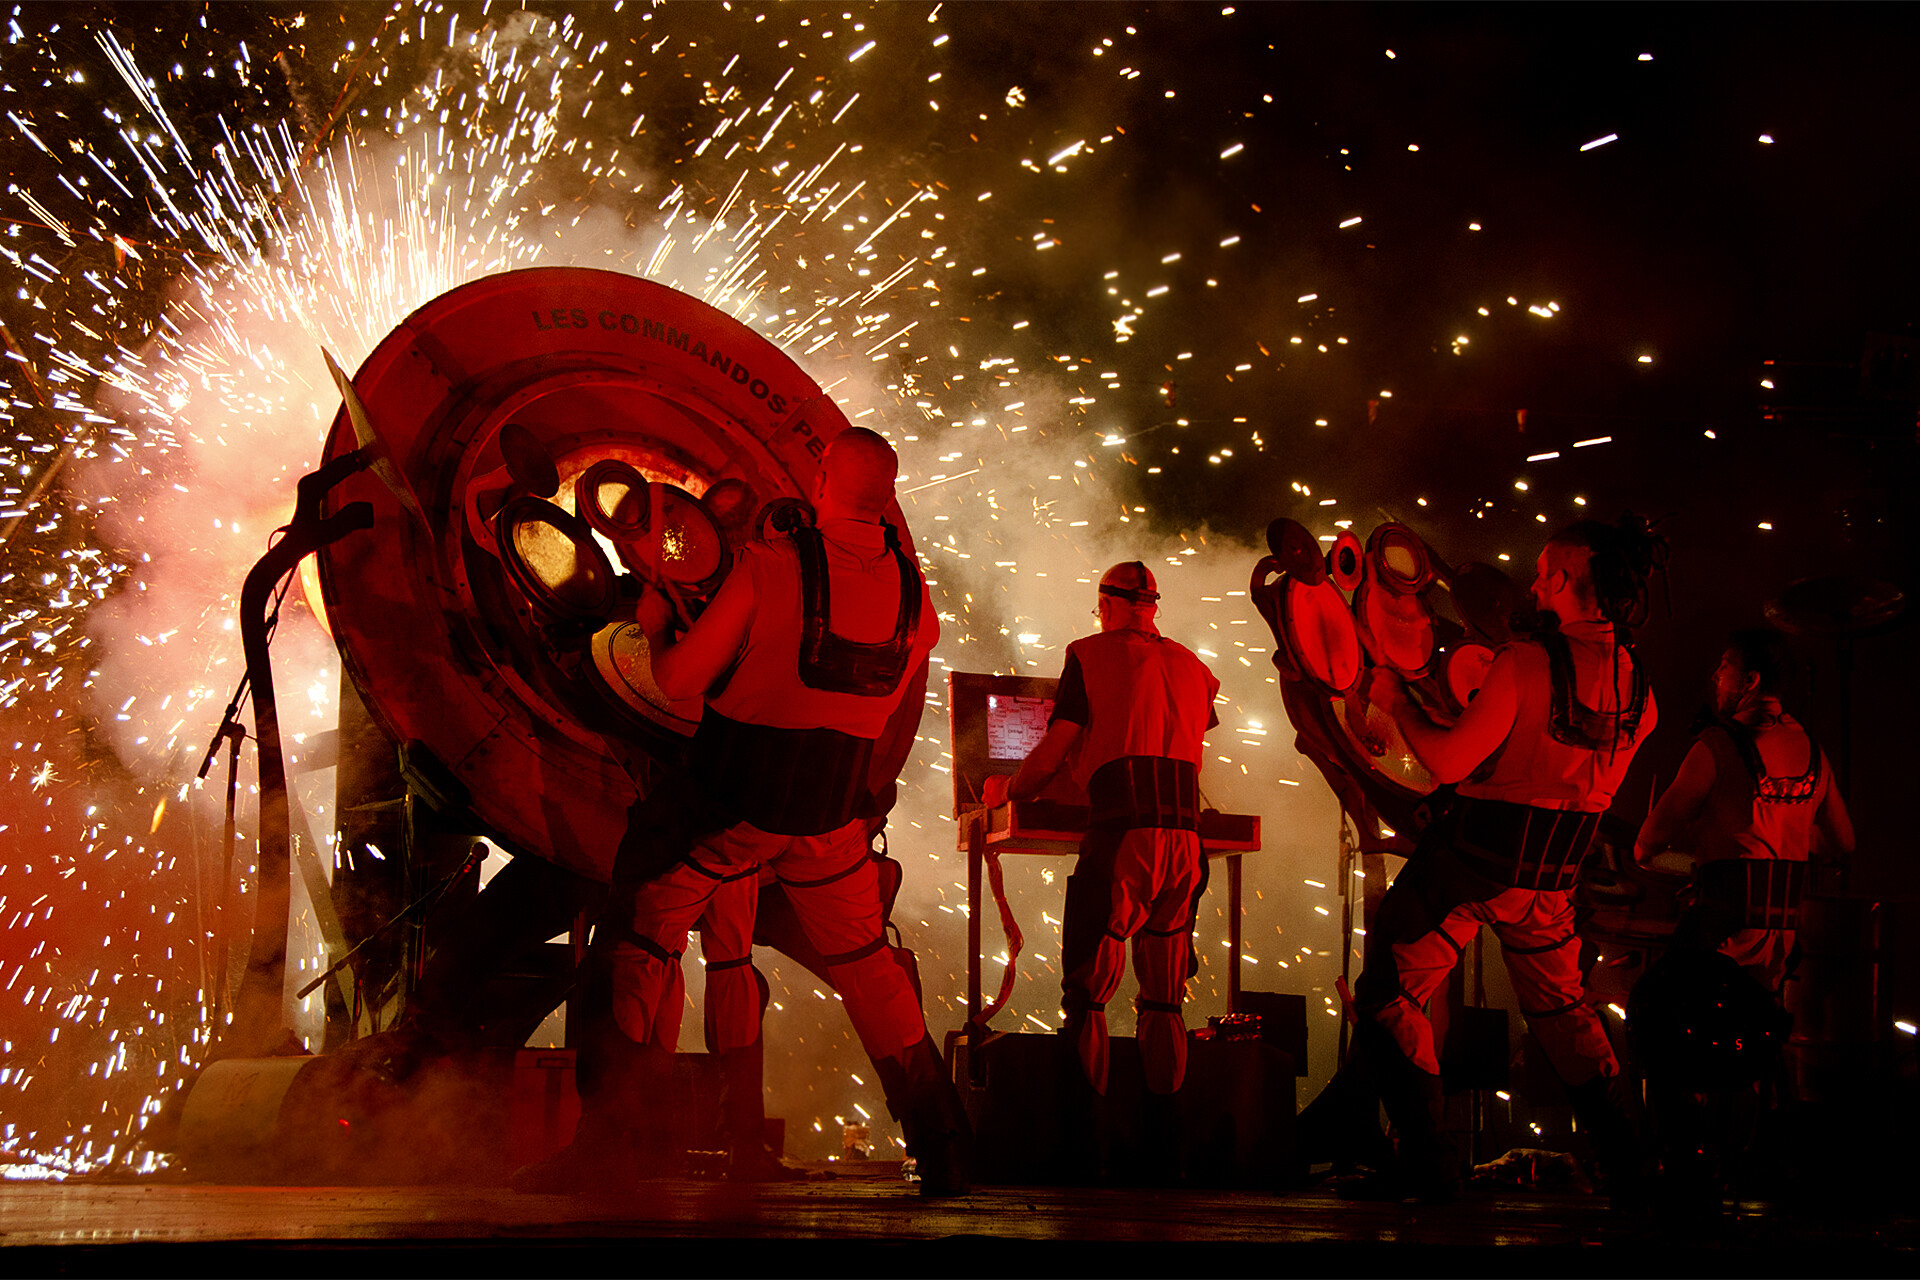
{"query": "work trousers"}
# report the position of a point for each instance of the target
(1431, 911)
(1141, 885)
(833, 883)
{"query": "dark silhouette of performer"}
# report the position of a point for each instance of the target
(1753, 787)
(1130, 720)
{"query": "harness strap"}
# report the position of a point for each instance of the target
(711, 874)
(1772, 788)
(1521, 846)
(625, 933)
(858, 953)
(795, 782)
(1536, 951)
(1568, 1007)
(825, 880)
(1573, 723)
(1761, 893)
(832, 663)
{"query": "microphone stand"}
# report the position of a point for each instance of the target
(233, 734)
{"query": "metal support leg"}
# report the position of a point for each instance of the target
(1233, 933)
(976, 858)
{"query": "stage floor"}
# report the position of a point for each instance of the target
(866, 1218)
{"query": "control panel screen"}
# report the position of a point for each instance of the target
(1015, 725)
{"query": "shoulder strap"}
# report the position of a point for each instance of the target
(832, 663)
(1572, 722)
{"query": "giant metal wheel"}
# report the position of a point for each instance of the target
(471, 628)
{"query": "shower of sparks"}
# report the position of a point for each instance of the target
(195, 215)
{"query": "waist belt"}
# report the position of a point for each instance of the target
(795, 782)
(1144, 791)
(1520, 846)
(1762, 893)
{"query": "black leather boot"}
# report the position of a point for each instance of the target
(1341, 1126)
(921, 1096)
(1162, 1141)
(624, 1089)
(1617, 1145)
(1426, 1167)
(621, 1136)
(1085, 1136)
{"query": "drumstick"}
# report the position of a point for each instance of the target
(372, 444)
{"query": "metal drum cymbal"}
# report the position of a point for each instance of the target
(1836, 605)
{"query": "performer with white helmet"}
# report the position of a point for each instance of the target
(1130, 721)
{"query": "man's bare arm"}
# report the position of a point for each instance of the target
(1679, 805)
(689, 668)
(1041, 764)
(1450, 754)
(1832, 824)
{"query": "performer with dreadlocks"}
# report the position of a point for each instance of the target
(1537, 755)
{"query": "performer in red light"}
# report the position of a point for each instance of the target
(1754, 786)
(1130, 721)
(1537, 756)
(804, 658)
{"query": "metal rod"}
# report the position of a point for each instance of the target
(229, 912)
(1233, 932)
(1346, 925)
(259, 1008)
(976, 844)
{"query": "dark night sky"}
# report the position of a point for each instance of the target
(1688, 239)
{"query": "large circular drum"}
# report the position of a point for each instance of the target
(491, 631)
(1434, 626)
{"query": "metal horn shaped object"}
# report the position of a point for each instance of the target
(379, 456)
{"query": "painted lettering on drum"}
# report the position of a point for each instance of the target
(625, 322)
(814, 444)
(682, 340)
(560, 318)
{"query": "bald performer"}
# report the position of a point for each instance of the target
(805, 659)
(1130, 721)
